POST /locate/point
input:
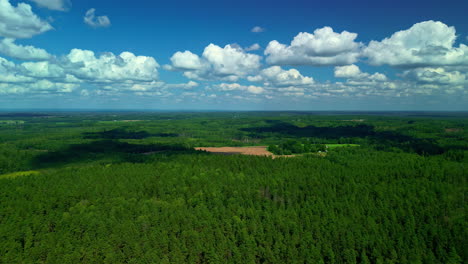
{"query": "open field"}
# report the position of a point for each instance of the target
(253, 151)
(256, 151)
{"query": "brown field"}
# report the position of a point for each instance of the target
(453, 130)
(255, 151)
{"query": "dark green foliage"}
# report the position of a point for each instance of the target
(100, 194)
(117, 133)
(121, 133)
(296, 147)
(95, 150)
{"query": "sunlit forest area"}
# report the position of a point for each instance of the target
(129, 187)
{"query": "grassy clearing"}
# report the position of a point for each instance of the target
(12, 122)
(18, 174)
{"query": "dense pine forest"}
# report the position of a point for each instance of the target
(130, 188)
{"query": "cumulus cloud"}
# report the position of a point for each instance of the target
(20, 21)
(257, 29)
(46, 85)
(84, 65)
(153, 88)
(10, 49)
(238, 87)
(187, 86)
(439, 76)
(323, 47)
(43, 69)
(59, 5)
(349, 71)
(275, 76)
(429, 43)
(84, 92)
(110, 68)
(9, 73)
(41, 86)
(229, 63)
(253, 47)
(186, 61)
(34, 77)
(96, 21)
(255, 89)
(12, 80)
(107, 71)
(353, 72)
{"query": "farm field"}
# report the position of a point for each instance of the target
(150, 187)
(256, 151)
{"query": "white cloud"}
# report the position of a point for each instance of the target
(353, 72)
(84, 92)
(20, 21)
(187, 86)
(230, 86)
(59, 5)
(428, 43)
(323, 47)
(257, 29)
(439, 76)
(229, 63)
(238, 87)
(186, 61)
(275, 76)
(10, 49)
(142, 87)
(292, 91)
(255, 89)
(108, 71)
(47, 85)
(9, 73)
(253, 47)
(41, 86)
(96, 21)
(111, 68)
(348, 71)
(43, 69)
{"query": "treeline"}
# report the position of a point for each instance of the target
(296, 147)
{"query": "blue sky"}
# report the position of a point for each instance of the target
(234, 55)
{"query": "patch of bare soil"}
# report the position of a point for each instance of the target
(453, 130)
(255, 151)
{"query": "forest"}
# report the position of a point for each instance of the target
(129, 187)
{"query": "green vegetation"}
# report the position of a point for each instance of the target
(11, 122)
(332, 146)
(19, 174)
(290, 147)
(103, 188)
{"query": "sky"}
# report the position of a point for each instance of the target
(234, 55)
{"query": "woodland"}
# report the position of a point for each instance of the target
(129, 187)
